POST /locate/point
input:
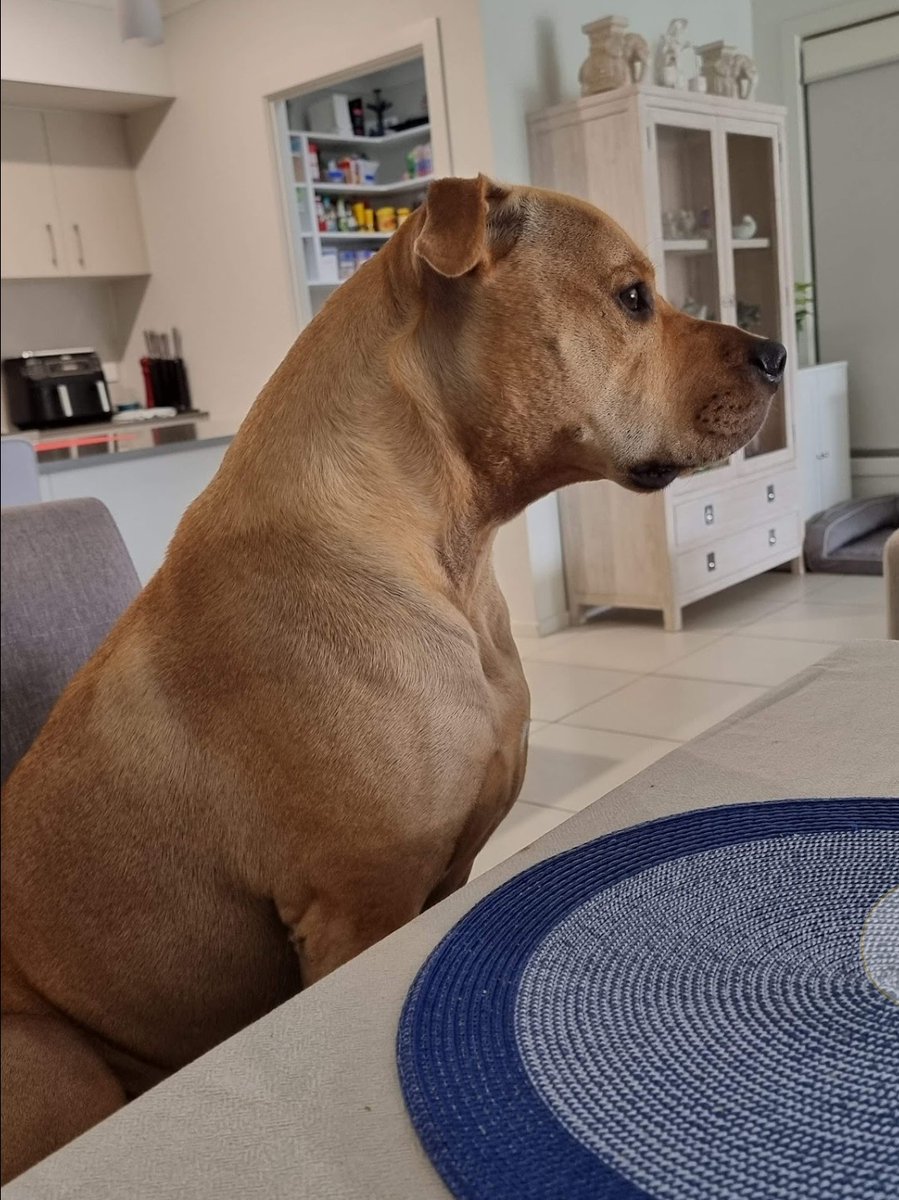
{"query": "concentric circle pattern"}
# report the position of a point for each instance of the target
(681, 1010)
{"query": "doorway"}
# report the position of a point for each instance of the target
(356, 154)
(851, 82)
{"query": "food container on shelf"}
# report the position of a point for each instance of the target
(385, 219)
(331, 115)
(346, 264)
(328, 265)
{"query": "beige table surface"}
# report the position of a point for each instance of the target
(306, 1103)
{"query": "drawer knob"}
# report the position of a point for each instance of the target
(709, 514)
(770, 493)
(772, 537)
(710, 563)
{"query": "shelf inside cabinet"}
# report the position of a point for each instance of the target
(687, 245)
(369, 189)
(343, 139)
(751, 243)
(337, 236)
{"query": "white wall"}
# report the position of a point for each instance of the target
(533, 50)
(207, 179)
(69, 44)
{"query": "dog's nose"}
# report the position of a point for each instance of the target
(769, 359)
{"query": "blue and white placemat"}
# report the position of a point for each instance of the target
(703, 1006)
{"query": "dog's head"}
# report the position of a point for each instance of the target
(559, 358)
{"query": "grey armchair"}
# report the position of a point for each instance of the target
(67, 577)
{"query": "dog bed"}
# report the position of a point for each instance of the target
(849, 538)
(702, 1006)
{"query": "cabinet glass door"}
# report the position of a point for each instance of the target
(755, 253)
(690, 275)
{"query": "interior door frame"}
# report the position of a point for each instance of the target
(797, 182)
(393, 46)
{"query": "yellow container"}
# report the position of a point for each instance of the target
(359, 214)
(386, 219)
(402, 214)
(370, 220)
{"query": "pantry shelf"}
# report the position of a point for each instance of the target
(337, 236)
(687, 245)
(369, 189)
(339, 139)
(353, 237)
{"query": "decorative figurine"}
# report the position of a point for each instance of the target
(606, 66)
(718, 62)
(636, 55)
(749, 316)
(670, 67)
(746, 74)
(746, 229)
(693, 308)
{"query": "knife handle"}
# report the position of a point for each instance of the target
(182, 387)
(147, 372)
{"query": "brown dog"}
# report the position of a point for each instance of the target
(311, 720)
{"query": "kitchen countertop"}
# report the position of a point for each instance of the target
(92, 445)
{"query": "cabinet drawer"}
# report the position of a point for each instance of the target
(766, 496)
(725, 556)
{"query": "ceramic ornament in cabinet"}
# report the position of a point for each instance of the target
(699, 183)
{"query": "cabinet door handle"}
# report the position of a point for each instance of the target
(772, 537)
(710, 563)
(77, 231)
(770, 493)
(709, 514)
(53, 256)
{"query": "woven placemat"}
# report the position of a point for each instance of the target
(702, 1006)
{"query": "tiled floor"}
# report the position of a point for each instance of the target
(612, 696)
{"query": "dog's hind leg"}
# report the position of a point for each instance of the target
(55, 1086)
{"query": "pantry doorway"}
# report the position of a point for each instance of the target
(356, 152)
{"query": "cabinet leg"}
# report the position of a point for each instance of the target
(673, 616)
(797, 565)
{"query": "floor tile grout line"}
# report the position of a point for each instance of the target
(649, 737)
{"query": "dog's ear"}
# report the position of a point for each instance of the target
(462, 228)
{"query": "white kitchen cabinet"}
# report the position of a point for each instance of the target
(822, 434)
(97, 195)
(30, 224)
(679, 171)
(75, 211)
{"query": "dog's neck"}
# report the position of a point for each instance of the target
(352, 432)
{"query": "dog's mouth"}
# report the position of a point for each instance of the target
(653, 476)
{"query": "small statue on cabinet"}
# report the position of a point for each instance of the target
(694, 308)
(605, 67)
(749, 316)
(636, 55)
(670, 66)
(718, 61)
(746, 76)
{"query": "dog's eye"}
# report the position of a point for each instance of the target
(636, 299)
